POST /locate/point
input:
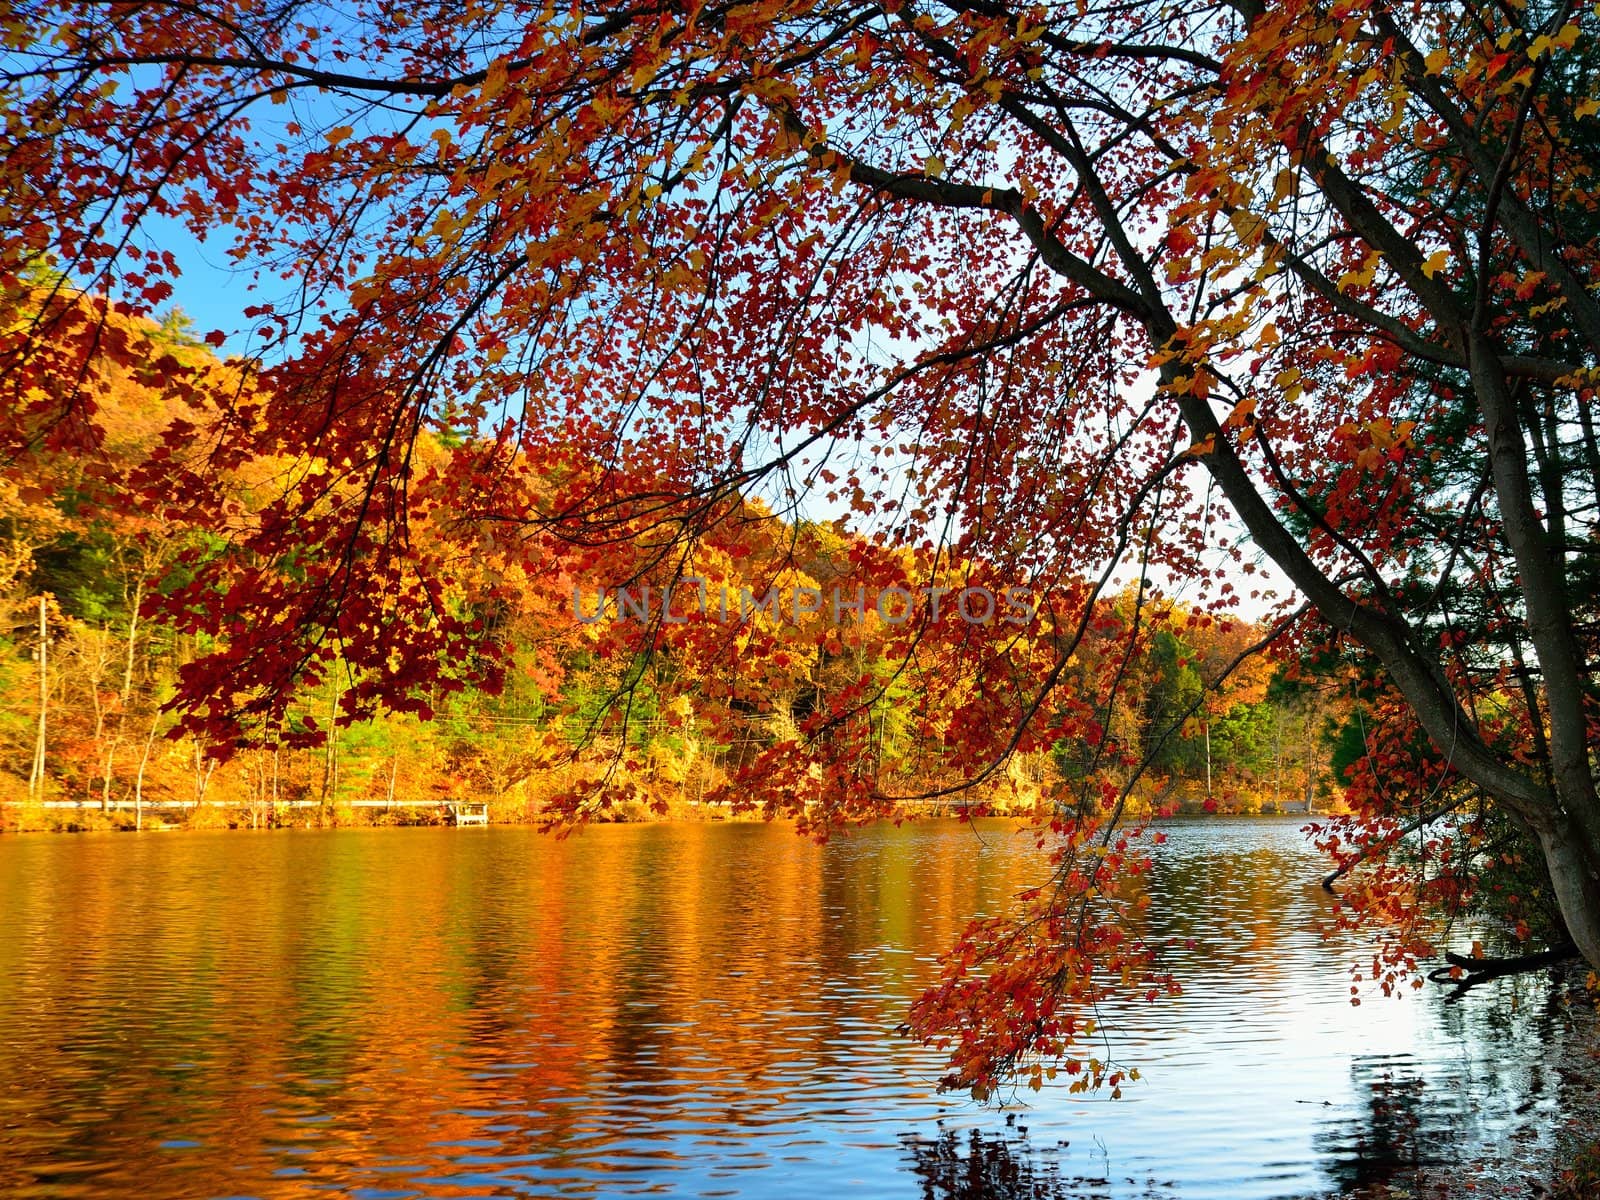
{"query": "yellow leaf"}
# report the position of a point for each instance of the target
(1436, 263)
(1289, 380)
(338, 134)
(1397, 114)
(1362, 276)
(494, 80)
(1245, 224)
(933, 166)
(1437, 61)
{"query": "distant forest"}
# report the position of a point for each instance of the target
(95, 552)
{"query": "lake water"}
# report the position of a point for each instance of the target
(703, 1010)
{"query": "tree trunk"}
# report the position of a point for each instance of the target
(330, 765)
(1311, 766)
(96, 671)
(1577, 891)
(1570, 829)
(133, 641)
(138, 779)
(204, 765)
(1560, 820)
(124, 697)
(107, 771)
(1277, 756)
(36, 776)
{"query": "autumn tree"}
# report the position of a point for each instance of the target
(1055, 291)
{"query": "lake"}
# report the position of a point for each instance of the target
(704, 1010)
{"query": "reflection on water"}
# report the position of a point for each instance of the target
(1511, 1109)
(697, 1010)
(984, 1165)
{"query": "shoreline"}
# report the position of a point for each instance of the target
(232, 819)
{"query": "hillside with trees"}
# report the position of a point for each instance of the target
(103, 547)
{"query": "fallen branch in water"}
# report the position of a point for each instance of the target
(1481, 970)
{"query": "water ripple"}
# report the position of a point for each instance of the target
(700, 1011)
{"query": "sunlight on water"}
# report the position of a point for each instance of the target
(699, 1011)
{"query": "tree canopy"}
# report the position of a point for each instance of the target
(1048, 295)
